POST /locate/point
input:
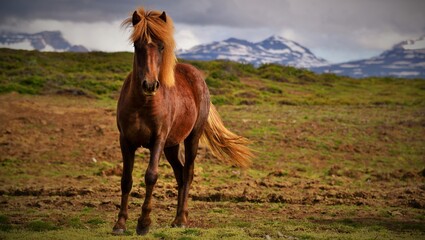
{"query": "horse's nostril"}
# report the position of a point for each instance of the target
(150, 87)
(145, 84)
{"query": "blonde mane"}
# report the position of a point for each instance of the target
(151, 27)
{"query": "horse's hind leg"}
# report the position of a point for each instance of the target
(126, 184)
(172, 155)
(191, 149)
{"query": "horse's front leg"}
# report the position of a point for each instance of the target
(191, 149)
(151, 177)
(127, 152)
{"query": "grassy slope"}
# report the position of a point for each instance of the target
(334, 133)
(101, 74)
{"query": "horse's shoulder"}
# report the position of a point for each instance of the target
(188, 70)
(189, 78)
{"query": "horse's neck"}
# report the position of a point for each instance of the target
(135, 86)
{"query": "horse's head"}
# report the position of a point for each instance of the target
(154, 58)
(147, 59)
(148, 53)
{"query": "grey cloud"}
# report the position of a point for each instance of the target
(332, 15)
(67, 10)
(337, 25)
(400, 14)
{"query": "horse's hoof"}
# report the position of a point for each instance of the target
(142, 230)
(118, 231)
(178, 225)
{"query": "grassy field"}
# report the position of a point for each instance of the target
(337, 158)
(100, 75)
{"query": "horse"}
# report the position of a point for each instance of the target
(161, 105)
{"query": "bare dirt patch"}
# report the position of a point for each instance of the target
(62, 153)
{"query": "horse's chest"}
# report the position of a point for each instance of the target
(138, 131)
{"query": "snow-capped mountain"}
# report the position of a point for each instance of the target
(406, 59)
(274, 49)
(52, 41)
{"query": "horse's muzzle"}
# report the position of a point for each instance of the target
(150, 88)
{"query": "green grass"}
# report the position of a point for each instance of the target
(100, 75)
(5, 225)
(103, 233)
(41, 226)
(345, 229)
(32, 72)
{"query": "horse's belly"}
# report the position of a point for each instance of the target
(180, 130)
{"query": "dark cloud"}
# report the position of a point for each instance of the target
(201, 12)
(400, 15)
(68, 10)
(326, 25)
(229, 13)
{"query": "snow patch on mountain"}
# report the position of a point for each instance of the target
(24, 44)
(48, 41)
(274, 49)
(405, 59)
(413, 44)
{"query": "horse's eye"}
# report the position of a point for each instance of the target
(161, 47)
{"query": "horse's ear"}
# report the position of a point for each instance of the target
(163, 17)
(136, 18)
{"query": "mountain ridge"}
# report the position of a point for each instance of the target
(41, 41)
(274, 49)
(405, 59)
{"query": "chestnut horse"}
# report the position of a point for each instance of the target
(161, 105)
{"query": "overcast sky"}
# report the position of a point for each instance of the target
(337, 30)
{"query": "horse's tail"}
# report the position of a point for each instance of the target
(224, 144)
